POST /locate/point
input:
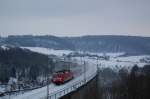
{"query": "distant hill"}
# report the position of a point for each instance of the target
(40, 41)
(129, 44)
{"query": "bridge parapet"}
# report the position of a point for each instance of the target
(71, 88)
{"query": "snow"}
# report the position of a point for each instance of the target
(4, 47)
(119, 62)
(12, 80)
(110, 54)
(131, 58)
(2, 89)
(48, 51)
(118, 65)
(115, 63)
(59, 90)
(115, 54)
(61, 52)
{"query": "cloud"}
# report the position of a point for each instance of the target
(75, 17)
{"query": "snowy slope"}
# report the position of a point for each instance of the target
(47, 51)
(61, 52)
(131, 58)
(4, 47)
(115, 61)
(111, 55)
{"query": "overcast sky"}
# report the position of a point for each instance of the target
(75, 17)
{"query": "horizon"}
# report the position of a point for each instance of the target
(72, 36)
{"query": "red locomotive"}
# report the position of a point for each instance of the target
(61, 77)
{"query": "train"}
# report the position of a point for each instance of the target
(60, 77)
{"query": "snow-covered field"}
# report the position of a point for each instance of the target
(61, 52)
(47, 51)
(118, 63)
(135, 59)
(112, 55)
(115, 61)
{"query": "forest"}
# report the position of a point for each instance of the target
(21, 64)
(124, 84)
